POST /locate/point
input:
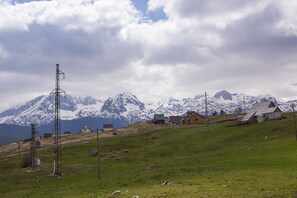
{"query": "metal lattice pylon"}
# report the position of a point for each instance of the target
(32, 146)
(57, 170)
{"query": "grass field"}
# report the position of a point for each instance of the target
(222, 160)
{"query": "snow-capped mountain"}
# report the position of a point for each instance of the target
(41, 110)
(128, 107)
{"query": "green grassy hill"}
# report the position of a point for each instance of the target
(222, 160)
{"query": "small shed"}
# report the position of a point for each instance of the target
(85, 129)
(37, 144)
(107, 127)
(175, 120)
(159, 119)
(67, 133)
(193, 118)
(47, 135)
(260, 112)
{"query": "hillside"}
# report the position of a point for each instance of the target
(222, 160)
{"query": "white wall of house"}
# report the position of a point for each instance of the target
(274, 115)
(260, 119)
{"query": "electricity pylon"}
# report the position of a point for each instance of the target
(57, 171)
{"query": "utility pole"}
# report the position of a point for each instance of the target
(32, 146)
(19, 147)
(146, 141)
(206, 110)
(293, 107)
(57, 170)
(244, 104)
(98, 157)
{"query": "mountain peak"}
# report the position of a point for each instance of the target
(120, 103)
(127, 95)
(224, 94)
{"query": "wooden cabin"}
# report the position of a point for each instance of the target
(193, 118)
(107, 127)
(260, 112)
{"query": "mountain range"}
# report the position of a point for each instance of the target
(128, 108)
(119, 110)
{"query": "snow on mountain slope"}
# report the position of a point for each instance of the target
(41, 110)
(125, 105)
(129, 108)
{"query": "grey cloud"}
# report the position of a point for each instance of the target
(258, 35)
(253, 53)
(255, 43)
(175, 54)
(205, 8)
(101, 50)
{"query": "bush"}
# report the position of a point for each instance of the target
(26, 161)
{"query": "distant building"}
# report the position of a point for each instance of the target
(85, 129)
(67, 133)
(159, 119)
(175, 120)
(193, 118)
(260, 112)
(47, 135)
(37, 144)
(107, 127)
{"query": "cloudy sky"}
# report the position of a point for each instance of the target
(151, 48)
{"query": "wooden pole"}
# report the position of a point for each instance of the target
(98, 157)
(146, 141)
(19, 148)
(293, 107)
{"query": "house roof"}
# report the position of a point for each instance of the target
(265, 107)
(107, 126)
(248, 116)
(159, 117)
(85, 127)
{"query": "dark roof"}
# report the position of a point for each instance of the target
(159, 117)
(107, 126)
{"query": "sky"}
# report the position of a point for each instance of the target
(151, 48)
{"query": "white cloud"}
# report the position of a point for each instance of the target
(69, 15)
(156, 4)
(106, 47)
(288, 23)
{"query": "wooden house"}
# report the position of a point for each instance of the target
(85, 129)
(47, 135)
(193, 118)
(107, 127)
(260, 112)
(67, 133)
